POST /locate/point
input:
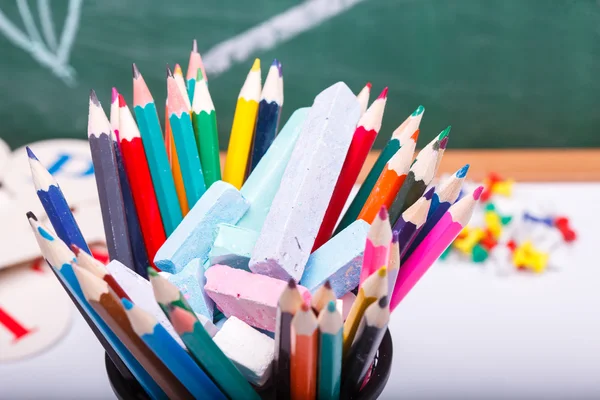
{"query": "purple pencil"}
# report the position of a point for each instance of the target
(412, 220)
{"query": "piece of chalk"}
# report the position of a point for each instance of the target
(233, 246)
(293, 221)
(190, 282)
(249, 350)
(250, 297)
(193, 238)
(263, 182)
(339, 260)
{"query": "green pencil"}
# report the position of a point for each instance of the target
(330, 353)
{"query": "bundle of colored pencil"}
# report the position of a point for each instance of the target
(261, 249)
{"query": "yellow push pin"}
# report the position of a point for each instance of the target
(465, 245)
(503, 188)
(494, 223)
(526, 256)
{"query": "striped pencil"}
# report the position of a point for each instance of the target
(330, 353)
(107, 181)
(390, 181)
(176, 359)
(158, 163)
(204, 121)
(377, 248)
(399, 137)
(269, 108)
(434, 244)
(198, 342)
(372, 289)
(411, 221)
(363, 350)
(185, 143)
(304, 357)
(60, 258)
(289, 303)
(174, 163)
(419, 176)
(54, 203)
(90, 264)
(322, 297)
(366, 131)
(109, 308)
(394, 262)
(242, 128)
(441, 201)
(142, 187)
(195, 65)
(363, 98)
(136, 239)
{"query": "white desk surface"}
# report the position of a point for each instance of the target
(463, 333)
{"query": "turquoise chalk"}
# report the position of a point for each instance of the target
(233, 246)
(190, 282)
(193, 238)
(263, 182)
(339, 260)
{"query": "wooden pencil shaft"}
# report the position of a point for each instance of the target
(410, 192)
(283, 348)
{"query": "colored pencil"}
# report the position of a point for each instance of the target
(377, 248)
(154, 146)
(304, 357)
(107, 182)
(363, 98)
(330, 353)
(195, 65)
(242, 128)
(136, 239)
(289, 303)
(185, 143)
(198, 342)
(366, 131)
(181, 85)
(390, 181)
(60, 259)
(54, 203)
(109, 308)
(372, 289)
(322, 297)
(175, 358)
(362, 353)
(411, 124)
(89, 263)
(412, 220)
(446, 194)
(204, 121)
(142, 187)
(434, 244)
(174, 162)
(444, 137)
(420, 175)
(269, 107)
(394, 262)
(281, 86)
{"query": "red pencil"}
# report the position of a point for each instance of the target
(364, 136)
(142, 188)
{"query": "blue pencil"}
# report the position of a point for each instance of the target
(55, 204)
(441, 201)
(59, 258)
(171, 353)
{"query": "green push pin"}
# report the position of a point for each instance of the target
(480, 254)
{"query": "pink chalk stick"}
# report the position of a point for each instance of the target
(250, 297)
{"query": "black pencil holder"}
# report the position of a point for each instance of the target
(130, 389)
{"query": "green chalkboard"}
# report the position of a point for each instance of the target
(503, 73)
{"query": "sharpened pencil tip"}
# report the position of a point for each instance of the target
(94, 98)
(305, 307)
(331, 306)
(280, 68)
(429, 194)
(152, 272)
(444, 143)
(122, 102)
(75, 249)
(477, 192)
(418, 111)
(369, 85)
(177, 70)
(461, 173)
(127, 304)
(291, 283)
(415, 136)
(327, 284)
(383, 94)
(256, 65)
(382, 271)
(275, 63)
(443, 134)
(383, 213)
(395, 236)
(31, 215)
(114, 95)
(383, 302)
(195, 46)
(135, 71)
(30, 154)
(169, 72)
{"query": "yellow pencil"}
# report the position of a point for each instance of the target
(242, 128)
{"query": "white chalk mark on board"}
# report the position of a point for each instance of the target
(53, 56)
(276, 30)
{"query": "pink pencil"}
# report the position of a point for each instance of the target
(377, 249)
(434, 244)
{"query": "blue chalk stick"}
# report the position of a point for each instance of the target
(233, 246)
(190, 282)
(193, 238)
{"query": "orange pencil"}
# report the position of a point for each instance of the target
(305, 354)
(390, 181)
(174, 161)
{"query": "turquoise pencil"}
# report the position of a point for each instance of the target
(185, 142)
(171, 353)
(330, 353)
(154, 144)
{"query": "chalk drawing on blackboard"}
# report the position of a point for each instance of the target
(51, 54)
(272, 32)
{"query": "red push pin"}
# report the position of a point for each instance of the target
(563, 226)
(490, 181)
(511, 245)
